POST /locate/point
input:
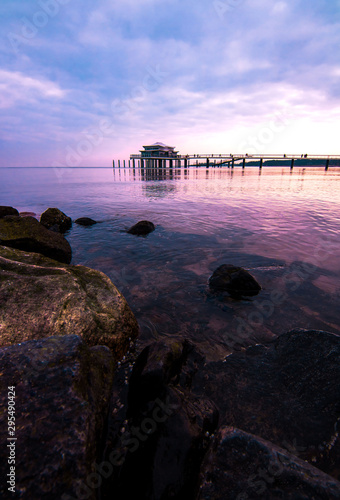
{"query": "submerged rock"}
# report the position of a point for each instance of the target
(242, 466)
(234, 280)
(4, 211)
(85, 221)
(26, 233)
(286, 392)
(27, 214)
(40, 298)
(142, 228)
(62, 390)
(53, 217)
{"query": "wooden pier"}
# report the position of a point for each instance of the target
(219, 160)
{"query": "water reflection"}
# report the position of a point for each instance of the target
(283, 226)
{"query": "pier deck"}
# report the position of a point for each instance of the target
(228, 159)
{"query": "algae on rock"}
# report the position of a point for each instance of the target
(40, 297)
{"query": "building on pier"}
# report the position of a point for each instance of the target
(157, 150)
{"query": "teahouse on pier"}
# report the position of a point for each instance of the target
(159, 155)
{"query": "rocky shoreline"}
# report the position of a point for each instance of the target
(98, 418)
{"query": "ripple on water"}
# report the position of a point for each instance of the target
(273, 224)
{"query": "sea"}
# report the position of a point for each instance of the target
(282, 226)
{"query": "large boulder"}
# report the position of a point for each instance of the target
(40, 297)
(142, 228)
(235, 280)
(240, 466)
(4, 211)
(26, 233)
(166, 429)
(286, 392)
(55, 218)
(61, 401)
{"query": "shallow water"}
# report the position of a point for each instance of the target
(284, 227)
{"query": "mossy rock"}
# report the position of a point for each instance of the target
(4, 211)
(53, 217)
(41, 298)
(26, 233)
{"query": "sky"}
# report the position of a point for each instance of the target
(83, 82)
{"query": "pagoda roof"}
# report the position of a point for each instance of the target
(161, 144)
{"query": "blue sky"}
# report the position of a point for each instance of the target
(84, 82)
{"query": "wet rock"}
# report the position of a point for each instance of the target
(40, 297)
(85, 221)
(27, 214)
(62, 390)
(26, 233)
(286, 392)
(243, 466)
(167, 429)
(234, 280)
(55, 217)
(4, 211)
(142, 228)
(157, 365)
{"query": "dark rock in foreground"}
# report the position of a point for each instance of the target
(4, 211)
(55, 218)
(62, 390)
(172, 427)
(234, 280)
(244, 467)
(40, 298)
(142, 228)
(287, 392)
(85, 221)
(26, 233)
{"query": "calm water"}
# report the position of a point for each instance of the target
(283, 227)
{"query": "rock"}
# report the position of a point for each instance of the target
(85, 221)
(240, 466)
(4, 211)
(166, 431)
(27, 214)
(234, 280)
(286, 392)
(155, 367)
(26, 233)
(62, 390)
(142, 228)
(40, 297)
(55, 217)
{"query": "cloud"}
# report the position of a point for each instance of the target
(167, 70)
(16, 87)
